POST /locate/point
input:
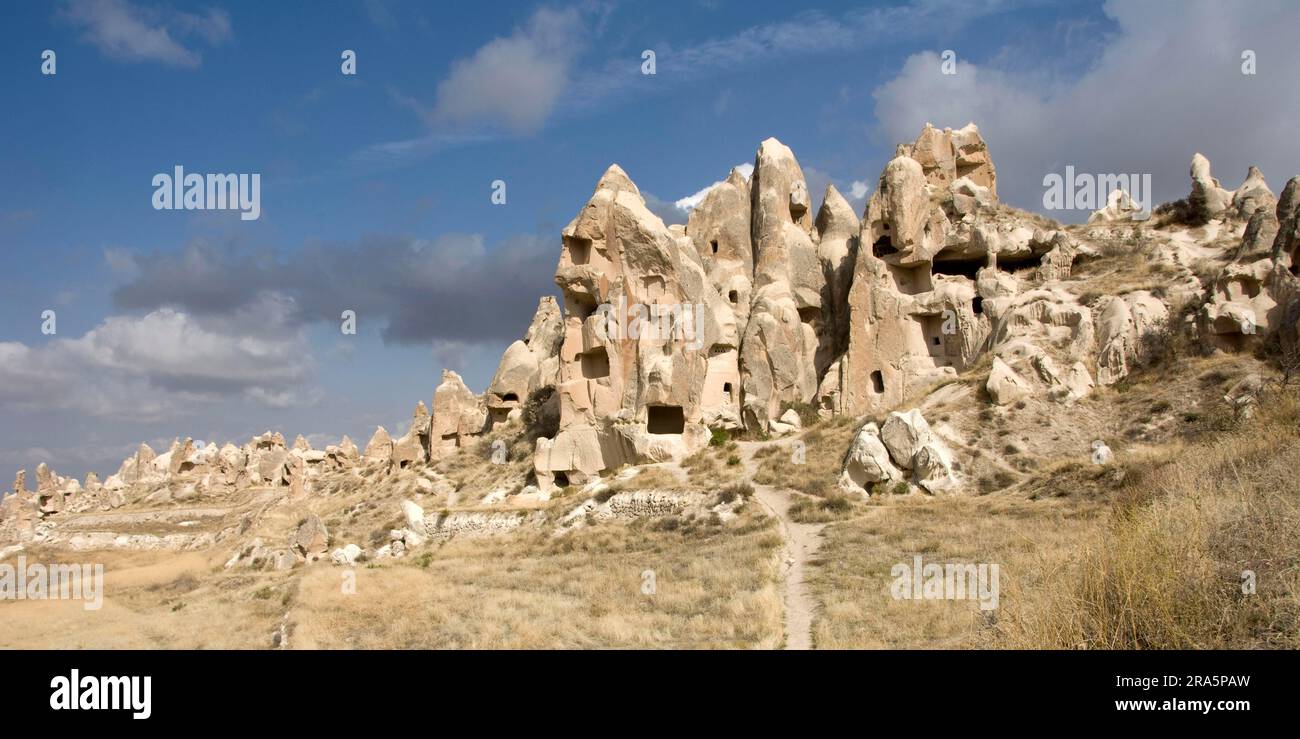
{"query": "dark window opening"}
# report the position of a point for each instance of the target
(509, 397)
(733, 296)
(582, 305)
(877, 382)
(714, 246)
(883, 247)
(595, 363)
(726, 388)
(665, 419)
(932, 328)
(977, 305)
(1008, 264)
(957, 268)
(561, 479)
(810, 314)
(579, 250)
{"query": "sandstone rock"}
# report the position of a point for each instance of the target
(1101, 453)
(414, 515)
(458, 415)
(1119, 207)
(412, 448)
(1004, 385)
(868, 462)
(379, 450)
(903, 435)
(346, 556)
(528, 364)
(1208, 200)
(1254, 194)
(312, 537)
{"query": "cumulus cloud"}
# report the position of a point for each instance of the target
(513, 81)
(1168, 83)
(147, 367)
(418, 290)
(136, 33)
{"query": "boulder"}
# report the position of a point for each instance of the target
(868, 462)
(312, 538)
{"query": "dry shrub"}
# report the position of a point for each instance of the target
(1167, 572)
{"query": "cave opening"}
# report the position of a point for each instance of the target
(665, 419)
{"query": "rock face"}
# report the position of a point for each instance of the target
(779, 344)
(1208, 200)
(763, 309)
(458, 415)
(641, 321)
(531, 363)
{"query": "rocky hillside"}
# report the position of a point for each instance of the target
(943, 344)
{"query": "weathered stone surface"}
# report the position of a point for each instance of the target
(1207, 200)
(868, 462)
(312, 538)
(379, 450)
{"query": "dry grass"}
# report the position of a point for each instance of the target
(1167, 570)
(152, 600)
(818, 473)
(851, 580)
(715, 587)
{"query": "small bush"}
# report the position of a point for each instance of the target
(719, 437)
(541, 414)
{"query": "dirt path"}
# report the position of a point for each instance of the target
(801, 542)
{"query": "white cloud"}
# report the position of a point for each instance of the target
(858, 190)
(156, 365)
(1166, 85)
(135, 33)
(689, 203)
(513, 81)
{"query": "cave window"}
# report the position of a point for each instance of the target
(595, 363)
(713, 245)
(883, 247)
(726, 388)
(583, 305)
(877, 382)
(580, 250)
(665, 419)
(977, 305)
(733, 296)
(561, 479)
(508, 397)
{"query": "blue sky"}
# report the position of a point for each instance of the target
(376, 187)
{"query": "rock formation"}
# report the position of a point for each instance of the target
(762, 308)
